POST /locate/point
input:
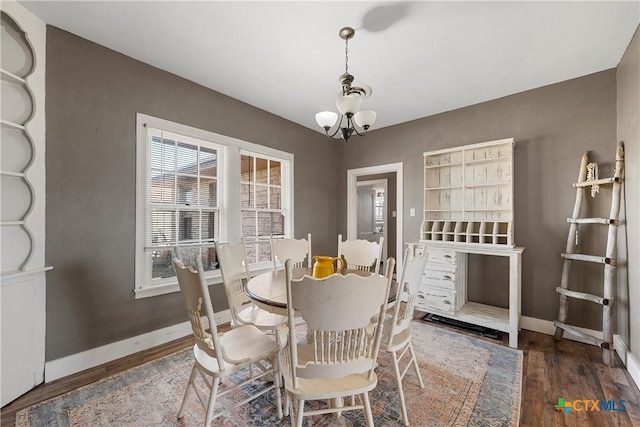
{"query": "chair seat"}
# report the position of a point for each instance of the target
(325, 388)
(243, 345)
(399, 341)
(260, 318)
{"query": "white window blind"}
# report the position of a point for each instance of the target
(182, 204)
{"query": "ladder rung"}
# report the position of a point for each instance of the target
(590, 258)
(596, 182)
(584, 296)
(587, 337)
(592, 221)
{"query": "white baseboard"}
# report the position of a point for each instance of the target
(546, 327)
(627, 358)
(75, 363)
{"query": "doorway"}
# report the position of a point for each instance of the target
(393, 204)
(372, 212)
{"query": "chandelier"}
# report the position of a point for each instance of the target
(352, 119)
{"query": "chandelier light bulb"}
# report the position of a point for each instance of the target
(349, 104)
(326, 119)
(365, 118)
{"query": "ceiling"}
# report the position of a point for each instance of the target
(420, 58)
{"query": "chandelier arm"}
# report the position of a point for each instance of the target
(351, 123)
(337, 128)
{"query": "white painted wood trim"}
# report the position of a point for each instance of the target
(470, 146)
(546, 327)
(629, 360)
(228, 171)
(78, 362)
(352, 201)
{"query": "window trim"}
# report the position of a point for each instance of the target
(229, 175)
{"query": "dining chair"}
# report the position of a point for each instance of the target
(338, 358)
(397, 324)
(361, 254)
(297, 250)
(234, 268)
(218, 356)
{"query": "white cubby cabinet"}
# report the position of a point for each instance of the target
(468, 194)
(468, 208)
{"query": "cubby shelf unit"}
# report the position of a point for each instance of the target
(468, 194)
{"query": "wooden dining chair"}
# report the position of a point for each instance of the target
(338, 358)
(297, 250)
(361, 254)
(234, 269)
(397, 324)
(220, 355)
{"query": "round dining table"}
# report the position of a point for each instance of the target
(269, 290)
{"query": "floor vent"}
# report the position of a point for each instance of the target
(467, 327)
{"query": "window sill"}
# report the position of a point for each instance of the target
(168, 288)
(171, 287)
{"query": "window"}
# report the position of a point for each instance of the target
(261, 204)
(182, 204)
(195, 188)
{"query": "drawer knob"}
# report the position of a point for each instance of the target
(446, 276)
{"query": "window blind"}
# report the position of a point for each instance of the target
(182, 206)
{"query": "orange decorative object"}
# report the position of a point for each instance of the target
(323, 266)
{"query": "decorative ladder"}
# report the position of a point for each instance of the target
(588, 177)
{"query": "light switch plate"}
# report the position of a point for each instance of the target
(412, 212)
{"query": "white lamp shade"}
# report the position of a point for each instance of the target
(349, 104)
(326, 118)
(365, 118)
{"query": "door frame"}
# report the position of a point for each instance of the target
(352, 201)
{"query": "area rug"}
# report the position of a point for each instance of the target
(468, 382)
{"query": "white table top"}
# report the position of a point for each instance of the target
(270, 288)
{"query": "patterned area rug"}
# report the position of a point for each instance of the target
(468, 382)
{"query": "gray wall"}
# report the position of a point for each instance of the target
(628, 80)
(552, 127)
(93, 95)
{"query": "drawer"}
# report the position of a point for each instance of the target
(433, 272)
(439, 283)
(442, 256)
(442, 300)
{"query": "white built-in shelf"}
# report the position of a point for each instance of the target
(505, 209)
(444, 165)
(483, 315)
(11, 125)
(11, 222)
(15, 174)
(487, 184)
(12, 78)
(451, 187)
(487, 160)
(17, 273)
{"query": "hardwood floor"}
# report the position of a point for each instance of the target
(551, 370)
